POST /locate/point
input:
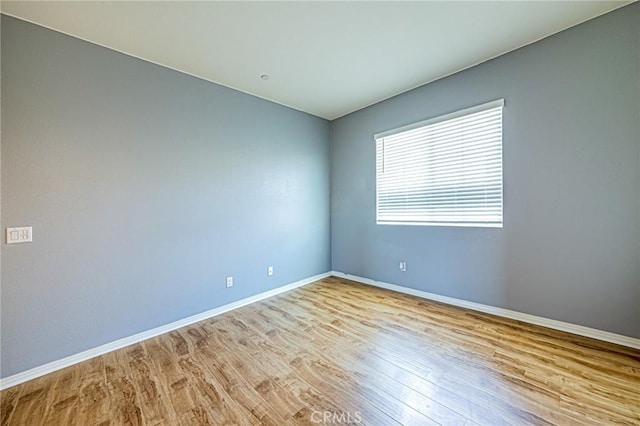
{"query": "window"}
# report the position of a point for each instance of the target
(444, 171)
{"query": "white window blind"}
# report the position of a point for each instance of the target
(442, 171)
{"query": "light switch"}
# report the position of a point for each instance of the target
(20, 235)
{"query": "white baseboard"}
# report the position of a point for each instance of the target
(50, 367)
(532, 319)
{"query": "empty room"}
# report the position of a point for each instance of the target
(320, 212)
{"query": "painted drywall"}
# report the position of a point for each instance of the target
(570, 246)
(145, 189)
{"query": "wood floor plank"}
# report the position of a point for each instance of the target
(266, 384)
(338, 351)
(254, 374)
(80, 395)
(32, 403)
(165, 358)
(234, 385)
(8, 404)
(123, 400)
(93, 405)
(154, 403)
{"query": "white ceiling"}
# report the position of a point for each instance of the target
(325, 58)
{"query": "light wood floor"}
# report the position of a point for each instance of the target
(356, 353)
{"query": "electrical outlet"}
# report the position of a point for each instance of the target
(229, 282)
(403, 266)
(270, 271)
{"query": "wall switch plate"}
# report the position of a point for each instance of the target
(270, 271)
(229, 281)
(23, 234)
(403, 266)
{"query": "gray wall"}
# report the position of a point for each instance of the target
(570, 246)
(145, 188)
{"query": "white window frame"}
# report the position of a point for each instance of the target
(428, 212)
